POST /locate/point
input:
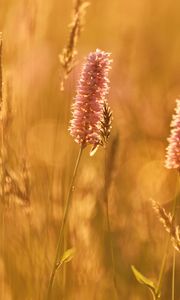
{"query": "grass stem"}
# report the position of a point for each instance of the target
(106, 201)
(163, 264)
(173, 274)
(63, 223)
(162, 270)
(111, 247)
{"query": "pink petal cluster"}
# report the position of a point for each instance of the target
(173, 149)
(92, 91)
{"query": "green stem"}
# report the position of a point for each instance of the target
(163, 266)
(61, 232)
(173, 275)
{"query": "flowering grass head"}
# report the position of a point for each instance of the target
(92, 91)
(173, 149)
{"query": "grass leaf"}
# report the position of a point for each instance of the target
(67, 256)
(145, 281)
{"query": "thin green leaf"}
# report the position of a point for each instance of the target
(145, 281)
(142, 279)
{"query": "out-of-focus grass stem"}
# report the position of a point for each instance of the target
(163, 264)
(162, 270)
(173, 274)
(111, 246)
(2, 121)
(106, 201)
(174, 252)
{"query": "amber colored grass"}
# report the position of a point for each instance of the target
(62, 227)
(1, 82)
(110, 157)
(168, 222)
(143, 38)
(14, 184)
(68, 55)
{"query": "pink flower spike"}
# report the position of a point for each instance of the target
(92, 90)
(173, 149)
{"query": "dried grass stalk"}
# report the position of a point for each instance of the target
(1, 83)
(2, 150)
(111, 156)
(168, 222)
(15, 184)
(68, 55)
(106, 123)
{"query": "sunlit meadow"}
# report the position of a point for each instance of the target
(115, 216)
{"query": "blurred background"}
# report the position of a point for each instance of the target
(144, 39)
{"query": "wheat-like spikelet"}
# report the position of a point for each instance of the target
(68, 55)
(17, 184)
(106, 123)
(105, 128)
(13, 183)
(168, 222)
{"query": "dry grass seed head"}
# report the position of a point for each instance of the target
(68, 55)
(12, 184)
(106, 123)
(168, 222)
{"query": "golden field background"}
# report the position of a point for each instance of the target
(144, 39)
